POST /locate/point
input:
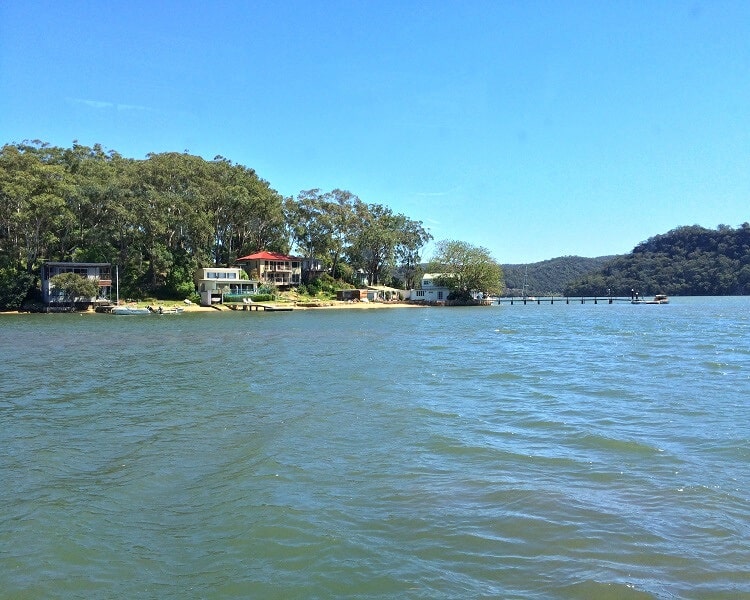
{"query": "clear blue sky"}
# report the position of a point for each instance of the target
(535, 129)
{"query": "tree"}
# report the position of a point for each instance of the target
(74, 286)
(413, 238)
(466, 268)
(14, 287)
(310, 225)
(376, 240)
(341, 207)
(33, 189)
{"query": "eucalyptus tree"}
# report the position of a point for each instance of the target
(383, 238)
(311, 226)
(375, 242)
(33, 190)
(246, 214)
(342, 208)
(95, 201)
(413, 238)
(262, 216)
(166, 193)
(219, 188)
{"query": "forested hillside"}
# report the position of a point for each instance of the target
(160, 218)
(549, 276)
(688, 261)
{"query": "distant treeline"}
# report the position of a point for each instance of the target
(687, 261)
(160, 218)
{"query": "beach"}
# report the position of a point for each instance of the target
(223, 308)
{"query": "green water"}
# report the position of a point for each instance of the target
(566, 451)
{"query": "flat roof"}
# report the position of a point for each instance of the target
(75, 264)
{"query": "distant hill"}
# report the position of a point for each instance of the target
(549, 276)
(687, 261)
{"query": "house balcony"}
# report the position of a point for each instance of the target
(232, 298)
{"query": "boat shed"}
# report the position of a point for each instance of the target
(99, 272)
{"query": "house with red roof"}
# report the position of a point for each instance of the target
(273, 268)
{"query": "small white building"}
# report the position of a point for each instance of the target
(430, 291)
(213, 283)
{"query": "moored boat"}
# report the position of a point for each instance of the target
(129, 310)
(658, 299)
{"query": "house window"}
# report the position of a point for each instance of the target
(420, 293)
(440, 295)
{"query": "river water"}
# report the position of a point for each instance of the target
(553, 451)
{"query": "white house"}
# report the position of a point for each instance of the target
(99, 272)
(213, 283)
(430, 291)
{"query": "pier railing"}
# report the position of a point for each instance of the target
(562, 299)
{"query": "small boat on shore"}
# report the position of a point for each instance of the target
(129, 310)
(658, 299)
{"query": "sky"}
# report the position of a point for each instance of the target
(535, 129)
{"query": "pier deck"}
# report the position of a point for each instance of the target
(563, 300)
(258, 306)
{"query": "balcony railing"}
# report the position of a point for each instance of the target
(229, 298)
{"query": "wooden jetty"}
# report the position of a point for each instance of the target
(257, 306)
(562, 300)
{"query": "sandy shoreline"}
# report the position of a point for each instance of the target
(327, 305)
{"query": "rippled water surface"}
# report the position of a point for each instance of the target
(565, 451)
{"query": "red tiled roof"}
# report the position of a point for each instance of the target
(265, 256)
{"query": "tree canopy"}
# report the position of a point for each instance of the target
(466, 268)
(74, 286)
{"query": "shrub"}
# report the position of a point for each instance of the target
(14, 287)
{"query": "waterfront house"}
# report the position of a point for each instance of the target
(99, 272)
(273, 268)
(430, 292)
(213, 283)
